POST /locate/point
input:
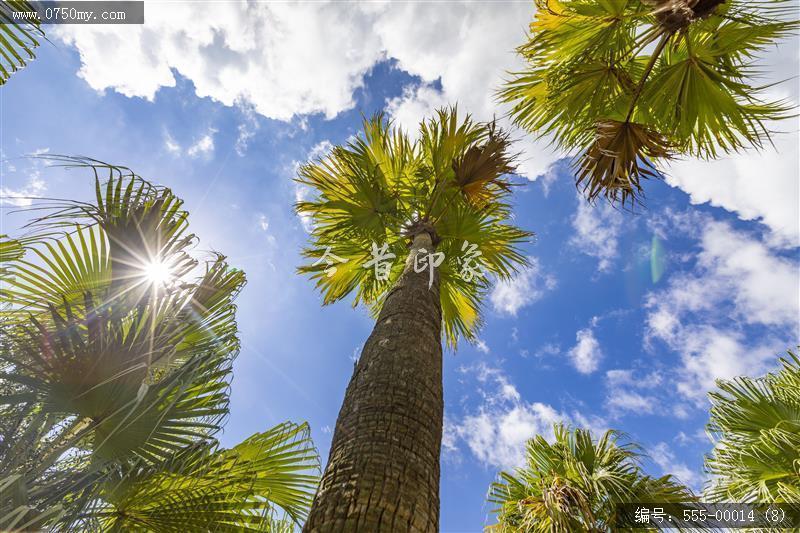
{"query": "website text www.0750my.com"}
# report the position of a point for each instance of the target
(67, 15)
(77, 12)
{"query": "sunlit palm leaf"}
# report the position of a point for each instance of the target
(109, 377)
(455, 175)
(17, 39)
(756, 423)
(575, 484)
(205, 488)
(680, 72)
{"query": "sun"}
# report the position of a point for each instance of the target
(157, 273)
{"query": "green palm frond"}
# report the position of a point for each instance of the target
(673, 77)
(206, 488)
(575, 484)
(113, 382)
(10, 249)
(756, 425)
(18, 39)
(371, 190)
(57, 272)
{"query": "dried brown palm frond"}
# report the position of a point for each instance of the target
(675, 15)
(480, 171)
(620, 156)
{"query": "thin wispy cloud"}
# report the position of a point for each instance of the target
(496, 431)
(203, 146)
(736, 281)
(597, 232)
(527, 287)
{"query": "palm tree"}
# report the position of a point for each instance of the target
(628, 84)
(756, 425)
(18, 38)
(115, 363)
(387, 196)
(575, 484)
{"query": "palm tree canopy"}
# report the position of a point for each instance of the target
(575, 483)
(377, 187)
(756, 424)
(18, 39)
(628, 84)
(117, 347)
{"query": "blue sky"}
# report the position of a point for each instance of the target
(623, 321)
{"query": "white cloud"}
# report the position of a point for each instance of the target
(416, 104)
(246, 129)
(292, 59)
(25, 195)
(497, 437)
(663, 456)
(548, 178)
(263, 222)
(284, 58)
(33, 187)
(203, 146)
(631, 392)
(528, 286)
(736, 282)
(709, 353)
(597, 228)
(497, 430)
(481, 345)
(354, 357)
(449, 438)
(549, 349)
(501, 388)
(699, 435)
(586, 354)
(303, 192)
(289, 59)
(622, 400)
(763, 185)
(767, 286)
(682, 438)
(171, 144)
(319, 150)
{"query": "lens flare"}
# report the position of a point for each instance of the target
(657, 260)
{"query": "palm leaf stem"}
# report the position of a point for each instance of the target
(648, 69)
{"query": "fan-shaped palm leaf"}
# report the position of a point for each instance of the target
(756, 423)
(377, 186)
(575, 484)
(19, 36)
(113, 382)
(203, 487)
(629, 84)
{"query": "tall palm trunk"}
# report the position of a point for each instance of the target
(383, 469)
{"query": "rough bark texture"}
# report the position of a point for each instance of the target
(383, 469)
